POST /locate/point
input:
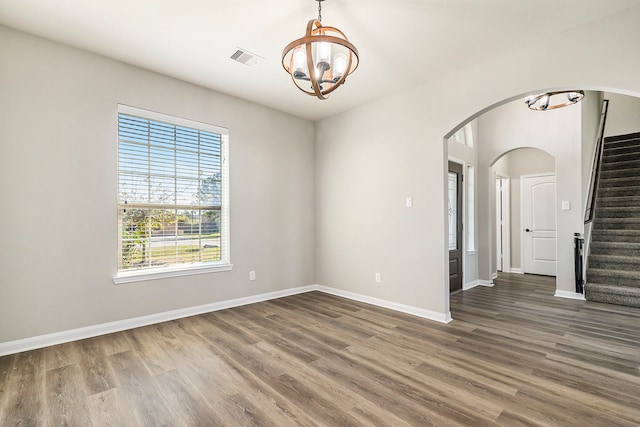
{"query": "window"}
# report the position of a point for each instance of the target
(452, 185)
(172, 195)
(464, 135)
(471, 220)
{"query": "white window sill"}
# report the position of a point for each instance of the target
(164, 272)
(474, 252)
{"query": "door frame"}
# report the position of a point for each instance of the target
(555, 213)
(504, 209)
(463, 194)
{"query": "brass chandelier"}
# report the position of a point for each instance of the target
(319, 62)
(542, 101)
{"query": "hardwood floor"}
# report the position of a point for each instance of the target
(514, 355)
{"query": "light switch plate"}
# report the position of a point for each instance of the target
(566, 205)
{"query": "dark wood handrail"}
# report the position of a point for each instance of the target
(595, 167)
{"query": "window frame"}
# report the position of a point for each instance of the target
(464, 136)
(175, 270)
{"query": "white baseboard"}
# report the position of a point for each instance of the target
(488, 283)
(570, 295)
(470, 285)
(47, 340)
(494, 276)
(32, 343)
(476, 283)
(420, 312)
(516, 270)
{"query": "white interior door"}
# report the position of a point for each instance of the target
(539, 224)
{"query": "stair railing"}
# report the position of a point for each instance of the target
(582, 254)
(595, 165)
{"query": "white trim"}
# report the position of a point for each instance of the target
(470, 285)
(494, 276)
(40, 341)
(174, 120)
(477, 283)
(461, 162)
(469, 223)
(503, 230)
(506, 220)
(569, 295)
(124, 276)
(163, 273)
(420, 312)
(516, 270)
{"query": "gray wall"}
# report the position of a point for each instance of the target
(57, 170)
(59, 191)
(557, 132)
(370, 158)
(624, 114)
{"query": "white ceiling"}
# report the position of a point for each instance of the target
(401, 42)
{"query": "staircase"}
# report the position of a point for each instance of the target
(613, 274)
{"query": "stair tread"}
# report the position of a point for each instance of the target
(622, 149)
(630, 181)
(612, 289)
(627, 164)
(630, 199)
(617, 212)
(619, 208)
(624, 137)
(615, 273)
(613, 235)
(619, 258)
(622, 187)
(620, 157)
(617, 219)
(634, 142)
(621, 172)
(616, 245)
(618, 232)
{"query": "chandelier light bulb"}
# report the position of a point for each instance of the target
(323, 54)
(544, 102)
(339, 64)
(299, 62)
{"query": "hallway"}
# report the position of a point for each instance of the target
(572, 362)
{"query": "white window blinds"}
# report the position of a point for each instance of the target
(171, 187)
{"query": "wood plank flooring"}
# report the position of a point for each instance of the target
(514, 355)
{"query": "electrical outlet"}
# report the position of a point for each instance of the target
(252, 275)
(378, 278)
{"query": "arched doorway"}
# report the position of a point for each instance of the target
(525, 214)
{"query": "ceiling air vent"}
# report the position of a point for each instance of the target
(247, 58)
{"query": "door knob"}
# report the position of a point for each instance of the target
(527, 230)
